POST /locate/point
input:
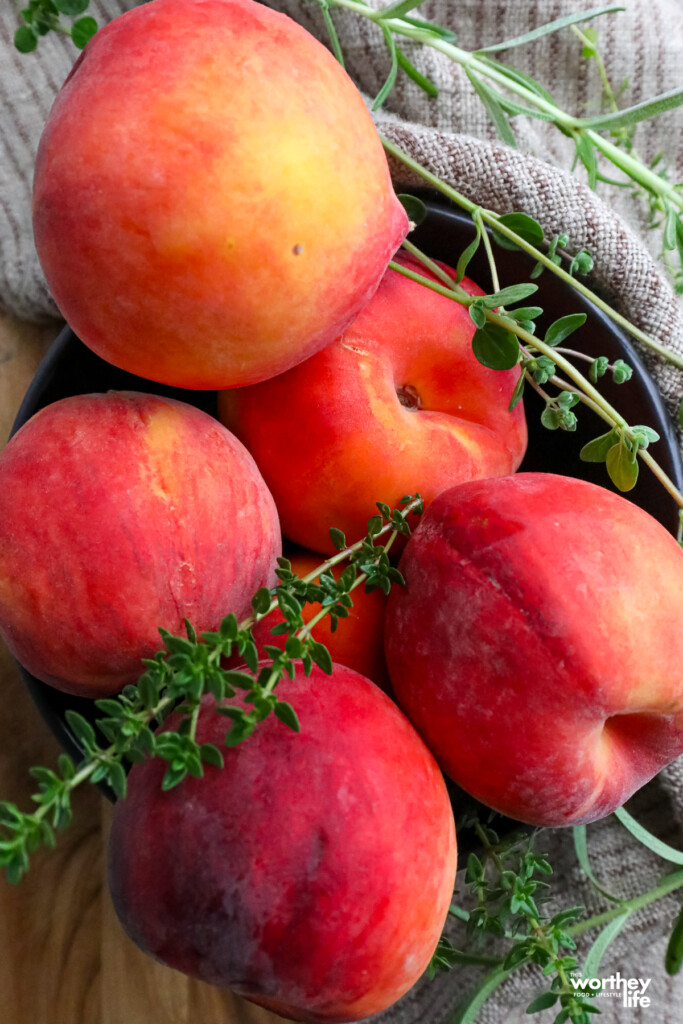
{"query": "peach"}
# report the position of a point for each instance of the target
(358, 641)
(120, 513)
(212, 203)
(312, 874)
(397, 404)
(537, 645)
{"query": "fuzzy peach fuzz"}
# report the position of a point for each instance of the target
(537, 646)
(397, 404)
(212, 203)
(312, 874)
(120, 513)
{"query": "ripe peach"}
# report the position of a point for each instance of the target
(537, 645)
(120, 513)
(397, 404)
(358, 641)
(312, 874)
(212, 203)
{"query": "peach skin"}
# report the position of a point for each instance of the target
(537, 645)
(397, 404)
(312, 874)
(212, 203)
(120, 513)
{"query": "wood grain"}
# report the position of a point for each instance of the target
(65, 959)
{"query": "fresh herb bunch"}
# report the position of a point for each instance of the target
(190, 667)
(509, 893)
(500, 87)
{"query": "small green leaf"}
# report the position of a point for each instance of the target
(396, 9)
(543, 1002)
(553, 26)
(467, 254)
(523, 225)
(598, 368)
(585, 151)
(622, 467)
(644, 436)
(25, 39)
(242, 680)
(173, 777)
(518, 392)
(673, 960)
(475, 869)
(621, 372)
(72, 8)
(82, 729)
(116, 777)
(338, 539)
(393, 70)
(493, 108)
(562, 328)
(597, 449)
(211, 755)
(550, 418)
(260, 602)
(374, 525)
(411, 71)
(332, 32)
(66, 767)
(506, 296)
(525, 312)
(287, 715)
(414, 207)
(495, 347)
(633, 115)
(595, 954)
(582, 263)
(322, 657)
(581, 848)
(647, 839)
(478, 314)
(229, 626)
(82, 31)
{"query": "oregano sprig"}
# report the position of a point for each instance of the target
(504, 337)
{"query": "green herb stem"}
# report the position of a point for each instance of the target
(667, 885)
(493, 220)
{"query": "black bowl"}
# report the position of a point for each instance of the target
(69, 368)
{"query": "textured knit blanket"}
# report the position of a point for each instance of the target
(451, 135)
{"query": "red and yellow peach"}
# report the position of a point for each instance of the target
(120, 513)
(537, 645)
(212, 203)
(312, 874)
(395, 405)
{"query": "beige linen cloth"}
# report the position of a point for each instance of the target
(451, 136)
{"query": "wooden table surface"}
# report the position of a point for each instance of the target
(64, 958)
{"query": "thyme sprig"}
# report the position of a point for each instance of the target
(508, 886)
(191, 667)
